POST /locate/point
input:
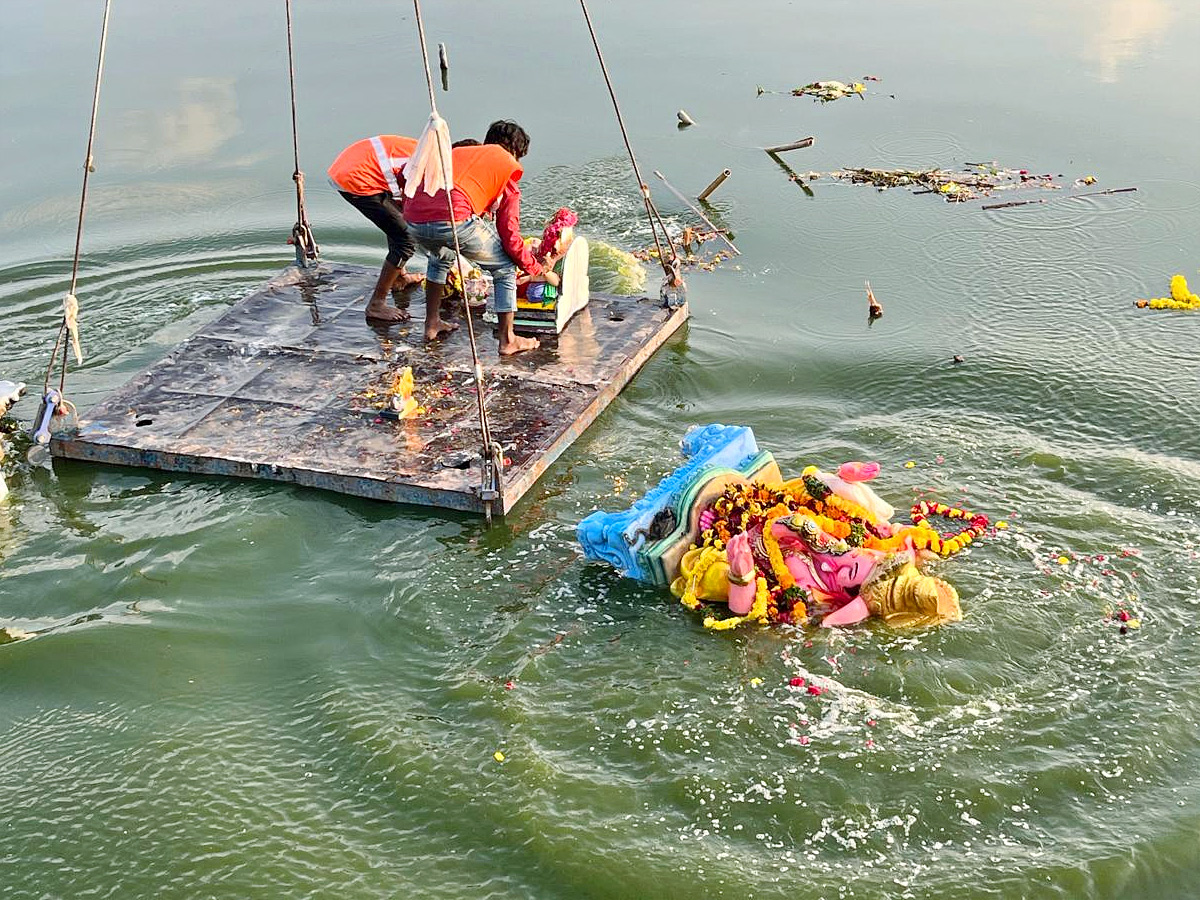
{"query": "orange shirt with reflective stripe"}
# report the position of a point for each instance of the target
(480, 176)
(482, 172)
(356, 169)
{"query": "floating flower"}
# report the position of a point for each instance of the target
(796, 682)
(498, 756)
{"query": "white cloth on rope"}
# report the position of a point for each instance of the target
(71, 317)
(429, 168)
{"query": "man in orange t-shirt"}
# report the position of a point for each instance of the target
(485, 181)
(369, 175)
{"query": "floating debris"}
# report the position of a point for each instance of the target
(825, 91)
(694, 255)
(1181, 297)
(828, 91)
(956, 186)
(874, 308)
(1126, 190)
(684, 119)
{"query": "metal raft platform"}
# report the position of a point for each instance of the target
(288, 385)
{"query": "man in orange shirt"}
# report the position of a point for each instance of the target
(368, 174)
(485, 180)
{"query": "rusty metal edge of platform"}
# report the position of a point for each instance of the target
(517, 488)
(372, 488)
(353, 485)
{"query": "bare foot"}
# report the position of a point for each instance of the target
(381, 312)
(439, 329)
(518, 345)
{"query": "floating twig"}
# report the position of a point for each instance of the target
(1125, 190)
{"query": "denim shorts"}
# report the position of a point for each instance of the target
(480, 243)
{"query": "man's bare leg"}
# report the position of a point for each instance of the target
(510, 341)
(435, 327)
(377, 308)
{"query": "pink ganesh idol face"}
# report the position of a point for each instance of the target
(837, 577)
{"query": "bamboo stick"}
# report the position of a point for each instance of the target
(795, 145)
(716, 183)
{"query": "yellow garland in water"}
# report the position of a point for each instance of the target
(758, 612)
(1181, 297)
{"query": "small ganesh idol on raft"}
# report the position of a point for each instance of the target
(727, 529)
(541, 307)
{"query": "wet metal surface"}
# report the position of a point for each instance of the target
(292, 385)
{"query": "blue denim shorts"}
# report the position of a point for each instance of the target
(480, 243)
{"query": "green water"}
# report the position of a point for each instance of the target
(252, 690)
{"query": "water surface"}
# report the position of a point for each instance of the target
(245, 689)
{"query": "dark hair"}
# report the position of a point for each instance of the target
(510, 136)
(465, 142)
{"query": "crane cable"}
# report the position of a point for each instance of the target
(68, 331)
(671, 270)
(491, 455)
(307, 251)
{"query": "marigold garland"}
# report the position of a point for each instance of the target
(708, 558)
(933, 540)
(1181, 297)
(782, 576)
(758, 612)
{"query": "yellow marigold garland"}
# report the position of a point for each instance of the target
(927, 538)
(758, 612)
(708, 558)
(782, 576)
(1181, 297)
